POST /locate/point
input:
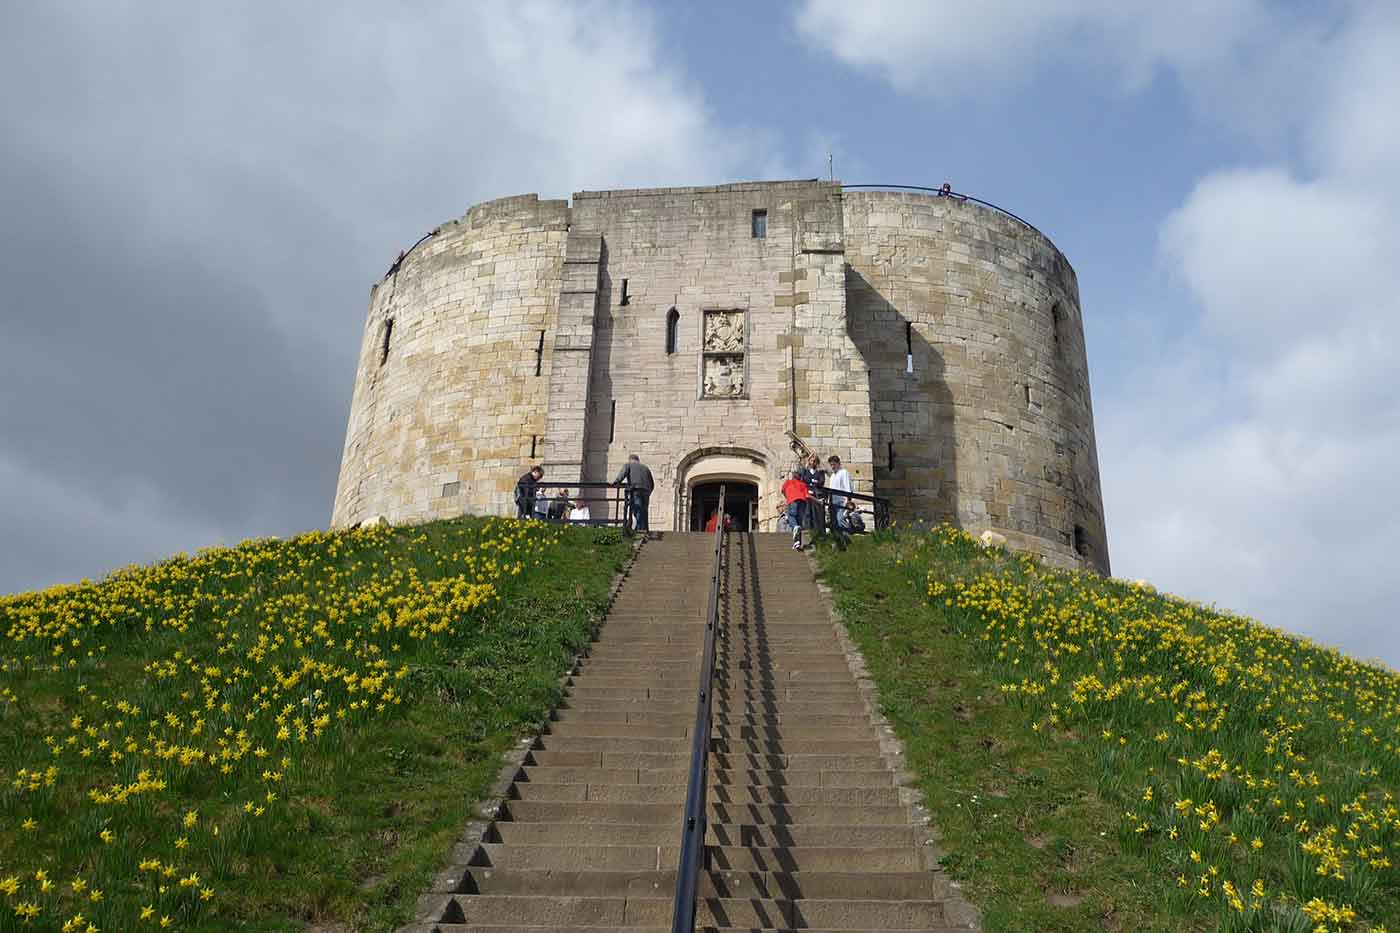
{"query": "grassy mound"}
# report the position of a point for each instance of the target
(1099, 756)
(280, 733)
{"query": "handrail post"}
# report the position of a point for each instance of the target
(695, 820)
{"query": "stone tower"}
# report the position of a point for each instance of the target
(934, 344)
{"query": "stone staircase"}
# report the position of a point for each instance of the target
(807, 826)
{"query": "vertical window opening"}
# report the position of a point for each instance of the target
(891, 455)
(388, 335)
(612, 422)
(539, 355)
(760, 225)
(625, 297)
(673, 325)
(1057, 317)
(1081, 541)
(908, 347)
(533, 439)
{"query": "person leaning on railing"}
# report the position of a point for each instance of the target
(639, 486)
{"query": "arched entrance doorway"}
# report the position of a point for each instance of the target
(742, 471)
(740, 504)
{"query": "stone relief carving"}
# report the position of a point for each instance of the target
(724, 376)
(722, 373)
(724, 331)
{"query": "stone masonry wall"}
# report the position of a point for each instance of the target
(993, 428)
(512, 344)
(443, 424)
(693, 249)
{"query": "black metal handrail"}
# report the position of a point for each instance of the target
(697, 784)
(947, 192)
(879, 510)
(616, 504)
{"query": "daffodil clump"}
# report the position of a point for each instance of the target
(156, 726)
(1257, 770)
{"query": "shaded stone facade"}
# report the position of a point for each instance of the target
(935, 345)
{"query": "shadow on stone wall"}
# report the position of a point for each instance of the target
(911, 415)
(598, 418)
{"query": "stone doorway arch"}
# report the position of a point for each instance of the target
(708, 465)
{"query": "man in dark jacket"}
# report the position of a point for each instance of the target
(639, 486)
(525, 491)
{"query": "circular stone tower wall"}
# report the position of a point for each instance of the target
(970, 326)
(452, 380)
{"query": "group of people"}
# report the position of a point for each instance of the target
(533, 502)
(804, 489)
(803, 492)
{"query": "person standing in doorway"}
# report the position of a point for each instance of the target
(840, 479)
(525, 491)
(795, 492)
(639, 486)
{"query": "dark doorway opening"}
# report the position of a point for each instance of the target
(740, 504)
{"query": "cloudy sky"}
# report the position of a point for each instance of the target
(194, 203)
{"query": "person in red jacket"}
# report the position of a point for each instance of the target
(795, 492)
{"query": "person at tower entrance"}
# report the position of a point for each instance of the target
(840, 480)
(639, 486)
(795, 492)
(525, 491)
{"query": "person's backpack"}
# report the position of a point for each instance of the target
(855, 523)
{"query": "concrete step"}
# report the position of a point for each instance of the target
(600, 812)
(717, 858)
(654, 761)
(675, 794)
(685, 718)
(775, 733)
(566, 912)
(718, 745)
(875, 778)
(765, 885)
(718, 834)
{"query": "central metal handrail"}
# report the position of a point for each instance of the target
(697, 784)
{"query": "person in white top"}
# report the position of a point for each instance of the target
(840, 478)
(581, 514)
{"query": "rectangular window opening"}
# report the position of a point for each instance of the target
(891, 455)
(908, 348)
(612, 422)
(625, 297)
(388, 335)
(539, 355)
(760, 225)
(1081, 541)
(533, 439)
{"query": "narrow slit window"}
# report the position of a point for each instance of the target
(908, 348)
(673, 326)
(534, 438)
(539, 355)
(760, 225)
(625, 297)
(612, 422)
(1057, 317)
(388, 336)
(891, 455)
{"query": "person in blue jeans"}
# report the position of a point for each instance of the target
(639, 486)
(795, 492)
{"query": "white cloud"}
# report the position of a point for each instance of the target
(927, 45)
(1247, 460)
(197, 197)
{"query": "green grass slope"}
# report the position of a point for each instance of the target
(1100, 757)
(278, 734)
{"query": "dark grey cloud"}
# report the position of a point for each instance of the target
(194, 201)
